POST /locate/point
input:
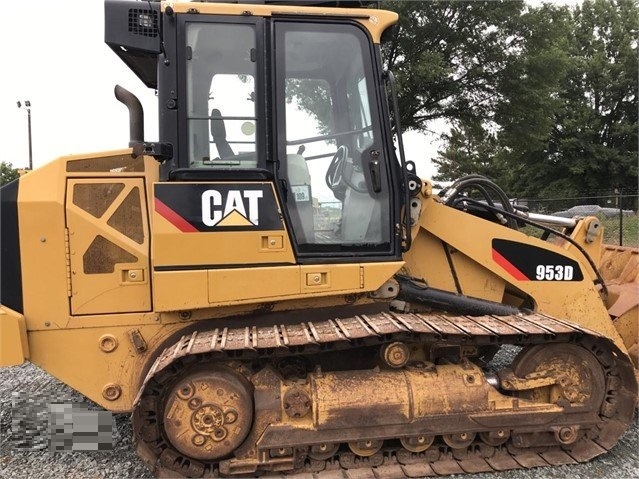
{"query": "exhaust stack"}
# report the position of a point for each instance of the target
(136, 114)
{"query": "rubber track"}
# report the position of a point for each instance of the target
(308, 337)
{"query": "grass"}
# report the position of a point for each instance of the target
(630, 230)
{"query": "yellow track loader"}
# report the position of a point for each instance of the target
(271, 288)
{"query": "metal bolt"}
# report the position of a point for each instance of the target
(111, 392)
(199, 440)
(108, 343)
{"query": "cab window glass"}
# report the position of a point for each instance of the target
(221, 102)
(335, 201)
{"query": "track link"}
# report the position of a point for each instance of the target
(255, 342)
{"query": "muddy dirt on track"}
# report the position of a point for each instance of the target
(122, 463)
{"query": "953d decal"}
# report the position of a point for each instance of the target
(525, 262)
(202, 207)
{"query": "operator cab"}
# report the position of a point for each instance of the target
(294, 98)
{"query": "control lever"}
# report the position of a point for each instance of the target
(374, 167)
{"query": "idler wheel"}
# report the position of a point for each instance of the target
(208, 413)
(580, 378)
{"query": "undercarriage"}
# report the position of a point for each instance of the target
(385, 395)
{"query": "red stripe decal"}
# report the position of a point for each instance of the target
(175, 219)
(508, 266)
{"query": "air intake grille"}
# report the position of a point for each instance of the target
(143, 22)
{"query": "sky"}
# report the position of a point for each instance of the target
(55, 57)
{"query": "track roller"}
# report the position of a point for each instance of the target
(460, 440)
(365, 448)
(417, 444)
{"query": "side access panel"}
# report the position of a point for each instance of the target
(108, 246)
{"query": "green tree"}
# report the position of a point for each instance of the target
(566, 119)
(531, 97)
(470, 149)
(596, 134)
(448, 57)
(7, 173)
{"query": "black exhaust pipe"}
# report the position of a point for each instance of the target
(136, 114)
(412, 291)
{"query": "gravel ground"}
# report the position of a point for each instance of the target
(122, 463)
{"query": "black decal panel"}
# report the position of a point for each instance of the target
(206, 207)
(10, 268)
(530, 263)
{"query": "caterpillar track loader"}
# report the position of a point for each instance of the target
(270, 288)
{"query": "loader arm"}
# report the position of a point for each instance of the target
(461, 253)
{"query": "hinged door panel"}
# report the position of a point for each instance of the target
(108, 246)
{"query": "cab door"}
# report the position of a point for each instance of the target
(333, 171)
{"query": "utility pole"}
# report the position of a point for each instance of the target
(27, 106)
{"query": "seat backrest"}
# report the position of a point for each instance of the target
(218, 131)
(300, 198)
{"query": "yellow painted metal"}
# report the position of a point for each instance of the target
(174, 248)
(193, 289)
(628, 327)
(73, 354)
(43, 235)
(404, 395)
(591, 242)
(42, 246)
(576, 301)
(245, 285)
(375, 21)
(14, 345)
(75, 357)
(124, 286)
(179, 290)
(620, 268)
(428, 256)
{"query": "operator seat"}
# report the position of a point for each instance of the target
(362, 217)
(300, 198)
(218, 131)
